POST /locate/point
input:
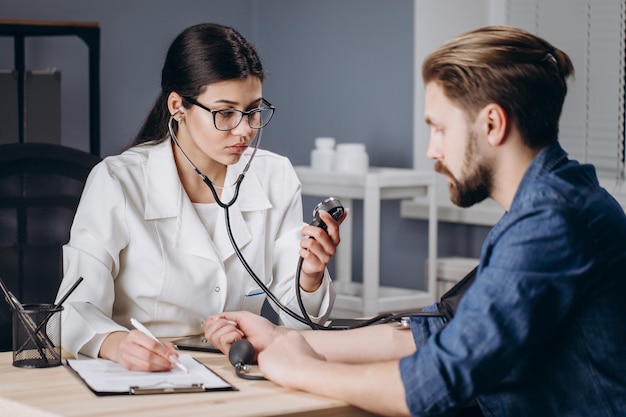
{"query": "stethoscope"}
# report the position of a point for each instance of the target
(226, 206)
(304, 318)
(206, 180)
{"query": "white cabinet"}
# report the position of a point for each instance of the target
(355, 299)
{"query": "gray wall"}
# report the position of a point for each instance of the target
(341, 68)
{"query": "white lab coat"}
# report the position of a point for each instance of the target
(143, 251)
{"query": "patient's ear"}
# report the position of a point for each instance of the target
(496, 124)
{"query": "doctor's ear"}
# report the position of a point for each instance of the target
(175, 104)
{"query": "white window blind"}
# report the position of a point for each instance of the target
(592, 33)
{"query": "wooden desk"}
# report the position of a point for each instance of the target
(58, 392)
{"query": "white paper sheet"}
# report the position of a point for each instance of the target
(107, 377)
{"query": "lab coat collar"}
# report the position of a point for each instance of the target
(166, 198)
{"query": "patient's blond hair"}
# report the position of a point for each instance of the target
(508, 66)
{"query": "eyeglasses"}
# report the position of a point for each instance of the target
(229, 119)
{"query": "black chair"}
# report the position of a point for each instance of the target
(40, 186)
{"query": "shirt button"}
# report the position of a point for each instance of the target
(217, 289)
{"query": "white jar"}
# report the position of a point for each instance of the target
(323, 156)
(351, 158)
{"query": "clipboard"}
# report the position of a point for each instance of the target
(105, 377)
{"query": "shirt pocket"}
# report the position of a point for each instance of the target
(253, 300)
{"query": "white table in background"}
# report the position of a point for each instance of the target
(370, 298)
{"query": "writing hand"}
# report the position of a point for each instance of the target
(138, 352)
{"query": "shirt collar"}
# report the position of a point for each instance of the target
(546, 161)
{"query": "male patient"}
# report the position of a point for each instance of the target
(542, 330)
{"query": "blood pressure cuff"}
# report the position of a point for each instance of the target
(437, 315)
(449, 302)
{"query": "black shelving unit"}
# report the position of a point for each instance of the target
(89, 32)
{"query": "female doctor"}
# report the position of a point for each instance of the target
(149, 235)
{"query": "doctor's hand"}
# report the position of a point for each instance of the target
(224, 329)
(318, 251)
(138, 352)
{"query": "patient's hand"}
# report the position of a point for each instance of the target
(224, 329)
(289, 360)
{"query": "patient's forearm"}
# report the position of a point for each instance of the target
(368, 344)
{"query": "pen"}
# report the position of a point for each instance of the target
(27, 322)
(60, 303)
(145, 331)
(8, 295)
(70, 291)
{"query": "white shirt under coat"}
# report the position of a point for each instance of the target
(144, 252)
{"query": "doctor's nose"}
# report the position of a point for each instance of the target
(243, 128)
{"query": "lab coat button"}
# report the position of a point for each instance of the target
(217, 289)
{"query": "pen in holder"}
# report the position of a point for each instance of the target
(36, 330)
(37, 335)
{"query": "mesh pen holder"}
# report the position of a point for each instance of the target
(37, 336)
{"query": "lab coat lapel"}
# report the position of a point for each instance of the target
(166, 200)
(250, 198)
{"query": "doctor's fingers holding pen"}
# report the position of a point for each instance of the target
(138, 352)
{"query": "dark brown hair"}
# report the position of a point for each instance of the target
(202, 54)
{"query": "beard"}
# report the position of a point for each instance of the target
(478, 181)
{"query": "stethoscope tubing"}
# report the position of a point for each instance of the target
(304, 319)
(226, 206)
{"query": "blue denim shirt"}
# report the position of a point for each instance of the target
(542, 331)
